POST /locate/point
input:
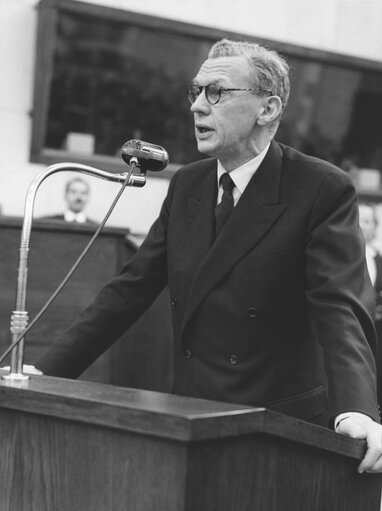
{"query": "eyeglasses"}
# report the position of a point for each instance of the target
(213, 92)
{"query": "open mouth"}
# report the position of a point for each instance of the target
(203, 129)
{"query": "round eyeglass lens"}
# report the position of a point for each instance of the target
(213, 93)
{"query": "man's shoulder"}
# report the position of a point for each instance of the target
(293, 155)
(91, 221)
(295, 160)
(197, 169)
(52, 217)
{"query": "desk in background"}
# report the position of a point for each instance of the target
(141, 358)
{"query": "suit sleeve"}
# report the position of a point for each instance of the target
(116, 307)
(339, 292)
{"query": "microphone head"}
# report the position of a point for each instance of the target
(149, 156)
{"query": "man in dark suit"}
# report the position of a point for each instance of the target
(265, 266)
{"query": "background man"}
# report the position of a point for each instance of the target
(77, 194)
(368, 222)
(261, 248)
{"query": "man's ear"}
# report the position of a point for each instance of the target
(270, 112)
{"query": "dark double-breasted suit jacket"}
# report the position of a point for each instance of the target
(271, 313)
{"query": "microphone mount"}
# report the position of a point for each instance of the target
(19, 317)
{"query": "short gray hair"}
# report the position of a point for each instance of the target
(270, 68)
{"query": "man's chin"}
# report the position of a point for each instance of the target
(206, 148)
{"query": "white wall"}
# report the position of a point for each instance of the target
(351, 27)
(17, 34)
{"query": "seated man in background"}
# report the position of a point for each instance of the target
(368, 223)
(77, 194)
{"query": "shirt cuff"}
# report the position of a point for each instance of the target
(354, 415)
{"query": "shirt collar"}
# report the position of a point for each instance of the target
(370, 251)
(70, 216)
(243, 174)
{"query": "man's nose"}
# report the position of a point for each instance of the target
(200, 104)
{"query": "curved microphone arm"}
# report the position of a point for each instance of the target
(19, 318)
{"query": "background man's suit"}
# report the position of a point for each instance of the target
(62, 218)
(252, 308)
(378, 321)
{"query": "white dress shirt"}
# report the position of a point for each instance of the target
(241, 176)
(70, 216)
(370, 261)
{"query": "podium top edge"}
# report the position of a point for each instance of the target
(169, 416)
(49, 224)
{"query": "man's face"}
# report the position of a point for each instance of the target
(228, 129)
(367, 222)
(77, 196)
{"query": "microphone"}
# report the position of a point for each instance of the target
(149, 156)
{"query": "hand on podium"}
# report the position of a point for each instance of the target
(358, 425)
(27, 369)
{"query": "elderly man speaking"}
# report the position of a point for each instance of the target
(262, 252)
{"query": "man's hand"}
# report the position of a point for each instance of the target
(358, 425)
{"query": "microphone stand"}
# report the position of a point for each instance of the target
(19, 317)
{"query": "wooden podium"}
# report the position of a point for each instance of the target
(74, 446)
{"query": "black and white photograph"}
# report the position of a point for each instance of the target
(190, 255)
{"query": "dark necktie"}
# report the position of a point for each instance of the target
(225, 207)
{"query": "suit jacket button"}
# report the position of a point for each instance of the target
(188, 353)
(252, 312)
(173, 301)
(233, 359)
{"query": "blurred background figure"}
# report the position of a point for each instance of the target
(77, 194)
(369, 223)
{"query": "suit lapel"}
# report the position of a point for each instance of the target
(201, 217)
(254, 215)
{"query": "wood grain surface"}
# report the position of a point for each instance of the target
(73, 445)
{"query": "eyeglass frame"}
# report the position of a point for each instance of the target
(219, 92)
